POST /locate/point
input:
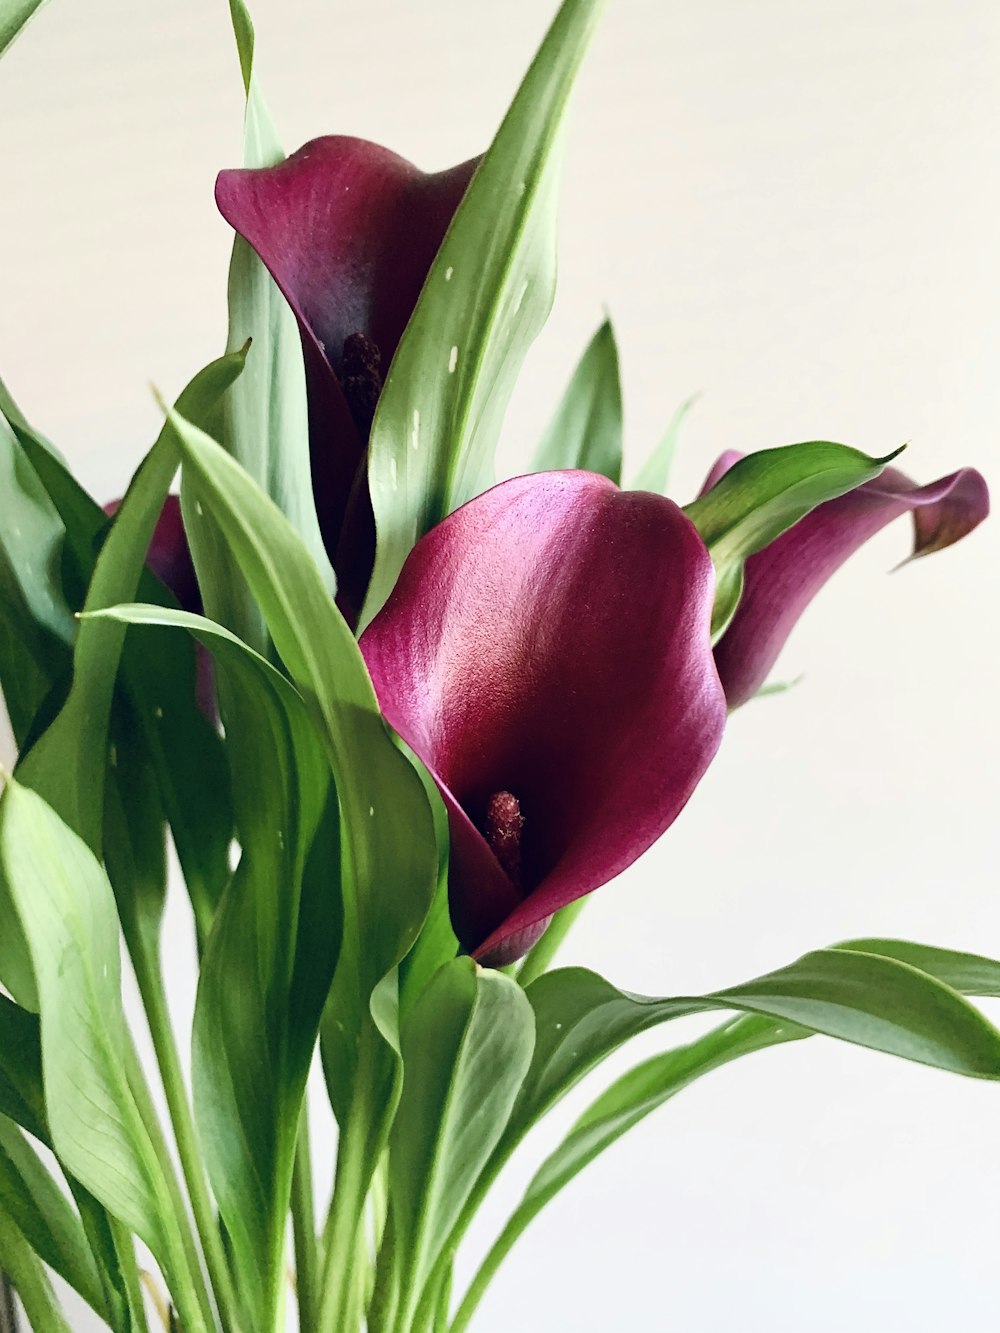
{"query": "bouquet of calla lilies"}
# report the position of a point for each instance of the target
(397, 719)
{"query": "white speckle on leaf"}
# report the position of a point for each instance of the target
(198, 509)
(449, 273)
(559, 1027)
(522, 186)
(415, 432)
(113, 756)
(371, 812)
(158, 713)
(393, 473)
(453, 361)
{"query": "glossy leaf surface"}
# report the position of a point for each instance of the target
(466, 1045)
(265, 423)
(67, 910)
(43, 1214)
(269, 959)
(764, 494)
(586, 430)
(389, 852)
(487, 295)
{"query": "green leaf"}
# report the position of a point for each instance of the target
(654, 474)
(67, 764)
(586, 431)
(968, 973)
(487, 295)
(31, 537)
(22, 1100)
(19, 1261)
(14, 15)
(270, 958)
(21, 1095)
(389, 849)
(36, 625)
(466, 1046)
(640, 1091)
(763, 495)
(67, 911)
(40, 1210)
(265, 424)
(157, 728)
(630, 1099)
(858, 997)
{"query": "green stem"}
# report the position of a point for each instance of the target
(485, 1274)
(361, 1142)
(385, 1296)
(182, 1263)
(32, 1283)
(338, 1310)
(437, 1291)
(304, 1227)
(124, 1248)
(147, 969)
(541, 956)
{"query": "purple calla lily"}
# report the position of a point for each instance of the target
(782, 580)
(348, 231)
(546, 653)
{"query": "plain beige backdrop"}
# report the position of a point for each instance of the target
(793, 209)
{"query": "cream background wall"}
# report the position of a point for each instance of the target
(793, 209)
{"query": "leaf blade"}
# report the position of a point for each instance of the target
(586, 429)
(488, 293)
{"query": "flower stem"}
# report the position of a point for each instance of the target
(150, 979)
(183, 1263)
(540, 957)
(124, 1250)
(304, 1227)
(339, 1310)
(343, 1286)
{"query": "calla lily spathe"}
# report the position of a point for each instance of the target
(782, 580)
(348, 230)
(546, 653)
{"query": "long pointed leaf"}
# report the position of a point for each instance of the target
(44, 1216)
(67, 911)
(487, 295)
(764, 494)
(270, 958)
(389, 852)
(586, 430)
(23, 1266)
(14, 16)
(466, 1046)
(630, 1099)
(67, 764)
(265, 423)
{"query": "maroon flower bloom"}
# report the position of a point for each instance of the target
(546, 653)
(782, 580)
(348, 231)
